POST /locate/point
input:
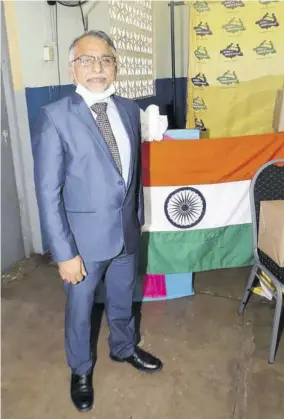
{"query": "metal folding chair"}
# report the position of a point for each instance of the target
(267, 185)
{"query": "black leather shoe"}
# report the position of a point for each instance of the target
(82, 392)
(141, 360)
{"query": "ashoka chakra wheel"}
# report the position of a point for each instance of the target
(185, 207)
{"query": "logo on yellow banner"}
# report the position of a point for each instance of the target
(234, 25)
(233, 4)
(228, 78)
(265, 48)
(268, 1)
(198, 104)
(201, 53)
(201, 6)
(199, 124)
(202, 29)
(200, 80)
(232, 51)
(267, 21)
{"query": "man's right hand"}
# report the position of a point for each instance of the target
(72, 270)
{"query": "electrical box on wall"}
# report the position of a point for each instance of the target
(48, 53)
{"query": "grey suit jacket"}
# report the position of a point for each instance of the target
(85, 206)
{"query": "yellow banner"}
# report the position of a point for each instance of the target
(236, 65)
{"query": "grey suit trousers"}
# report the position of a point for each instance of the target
(119, 274)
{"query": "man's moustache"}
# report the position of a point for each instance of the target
(96, 77)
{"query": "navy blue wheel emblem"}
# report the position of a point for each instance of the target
(185, 207)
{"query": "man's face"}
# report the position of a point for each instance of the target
(94, 74)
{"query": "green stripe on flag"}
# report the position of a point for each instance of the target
(196, 250)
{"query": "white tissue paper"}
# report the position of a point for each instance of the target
(153, 125)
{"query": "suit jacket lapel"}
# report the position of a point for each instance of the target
(129, 129)
(85, 114)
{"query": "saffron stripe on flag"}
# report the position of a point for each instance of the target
(219, 160)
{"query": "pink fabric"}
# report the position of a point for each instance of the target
(166, 137)
(154, 286)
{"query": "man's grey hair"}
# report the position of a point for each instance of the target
(95, 34)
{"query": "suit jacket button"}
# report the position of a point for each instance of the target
(120, 182)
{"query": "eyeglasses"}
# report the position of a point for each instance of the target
(89, 60)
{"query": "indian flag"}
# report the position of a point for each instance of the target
(197, 208)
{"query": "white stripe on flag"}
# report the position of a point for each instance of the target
(226, 204)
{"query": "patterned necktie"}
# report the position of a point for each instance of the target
(106, 131)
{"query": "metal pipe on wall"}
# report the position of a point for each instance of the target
(172, 5)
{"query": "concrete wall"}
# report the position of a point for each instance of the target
(19, 128)
(37, 73)
(12, 245)
(35, 30)
(163, 39)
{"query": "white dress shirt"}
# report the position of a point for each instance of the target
(117, 127)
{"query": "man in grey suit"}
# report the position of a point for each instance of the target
(88, 183)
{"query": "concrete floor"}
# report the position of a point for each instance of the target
(215, 361)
